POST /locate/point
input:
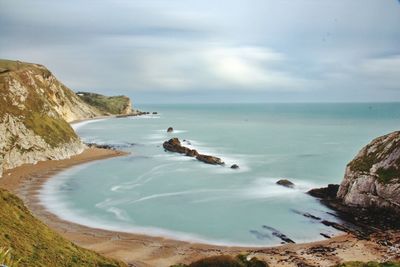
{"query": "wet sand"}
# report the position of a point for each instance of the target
(141, 250)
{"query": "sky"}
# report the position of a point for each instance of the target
(174, 51)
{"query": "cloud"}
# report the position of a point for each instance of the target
(384, 71)
(251, 68)
(283, 50)
(215, 66)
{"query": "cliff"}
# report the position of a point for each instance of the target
(372, 178)
(35, 109)
(108, 104)
(37, 245)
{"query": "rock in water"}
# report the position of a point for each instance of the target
(192, 153)
(372, 178)
(286, 183)
(235, 166)
(210, 159)
(325, 192)
(174, 145)
(278, 234)
(170, 130)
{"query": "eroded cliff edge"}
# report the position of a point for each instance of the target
(372, 178)
(35, 109)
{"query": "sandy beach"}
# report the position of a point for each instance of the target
(141, 250)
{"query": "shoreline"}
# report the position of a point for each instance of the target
(142, 250)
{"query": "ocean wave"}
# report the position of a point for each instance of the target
(65, 212)
(141, 179)
(266, 187)
(78, 125)
(147, 116)
(174, 132)
(119, 214)
(179, 193)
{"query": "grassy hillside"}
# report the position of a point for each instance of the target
(35, 244)
(107, 104)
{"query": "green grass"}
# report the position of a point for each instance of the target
(387, 175)
(35, 244)
(54, 131)
(7, 259)
(106, 104)
(365, 162)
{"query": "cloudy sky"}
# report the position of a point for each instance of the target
(212, 51)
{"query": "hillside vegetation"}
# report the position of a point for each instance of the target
(35, 244)
(107, 104)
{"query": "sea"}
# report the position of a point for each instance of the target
(160, 193)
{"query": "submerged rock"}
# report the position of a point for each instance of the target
(210, 159)
(285, 182)
(235, 166)
(278, 234)
(170, 130)
(155, 113)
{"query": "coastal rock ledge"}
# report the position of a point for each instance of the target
(372, 178)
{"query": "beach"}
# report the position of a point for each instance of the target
(142, 250)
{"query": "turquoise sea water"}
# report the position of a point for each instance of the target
(165, 194)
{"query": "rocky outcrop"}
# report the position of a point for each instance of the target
(234, 166)
(174, 145)
(328, 192)
(285, 183)
(372, 178)
(210, 159)
(35, 109)
(108, 105)
(23, 82)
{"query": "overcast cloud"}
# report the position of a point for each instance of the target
(212, 51)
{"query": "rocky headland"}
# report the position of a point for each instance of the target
(35, 111)
(368, 199)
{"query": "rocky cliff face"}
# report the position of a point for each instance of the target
(372, 178)
(34, 110)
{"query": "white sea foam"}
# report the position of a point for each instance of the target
(62, 210)
(50, 198)
(174, 132)
(143, 117)
(120, 214)
(179, 193)
(141, 179)
(267, 188)
(78, 125)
